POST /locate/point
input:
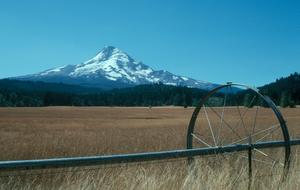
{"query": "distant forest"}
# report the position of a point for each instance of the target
(284, 92)
(24, 93)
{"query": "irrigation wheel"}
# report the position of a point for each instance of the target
(220, 120)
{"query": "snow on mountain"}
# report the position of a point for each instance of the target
(112, 68)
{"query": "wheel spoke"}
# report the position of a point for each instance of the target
(257, 133)
(211, 130)
(222, 115)
(226, 124)
(243, 115)
(200, 140)
(260, 152)
(255, 119)
(267, 156)
(242, 120)
(269, 133)
(251, 102)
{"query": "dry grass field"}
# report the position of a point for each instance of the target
(34, 133)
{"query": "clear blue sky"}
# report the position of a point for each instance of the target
(250, 42)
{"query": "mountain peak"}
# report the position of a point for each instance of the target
(114, 67)
(109, 52)
(108, 48)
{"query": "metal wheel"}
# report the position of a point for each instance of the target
(228, 115)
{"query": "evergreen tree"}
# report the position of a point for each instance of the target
(2, 100)
(247, 101)
(284, 99)
(177, 100)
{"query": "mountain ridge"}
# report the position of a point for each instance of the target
(112, 68)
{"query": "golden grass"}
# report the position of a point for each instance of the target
(31, 133)
(154, 176)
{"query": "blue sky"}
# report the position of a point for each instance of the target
(251, 42)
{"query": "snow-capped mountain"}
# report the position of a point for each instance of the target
(113, 68)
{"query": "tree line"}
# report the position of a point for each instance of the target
(143, 95)
(284, 92)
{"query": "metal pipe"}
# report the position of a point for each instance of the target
(136, 157)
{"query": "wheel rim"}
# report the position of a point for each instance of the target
(218, 121)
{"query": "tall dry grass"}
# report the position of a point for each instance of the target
(173, 175)
(30, 133)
